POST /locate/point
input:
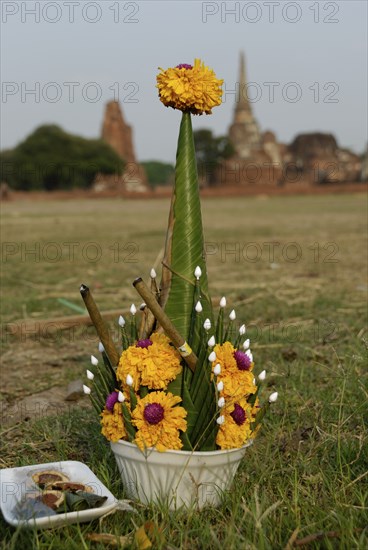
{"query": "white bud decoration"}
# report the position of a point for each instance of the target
(101, 349)
(232, 315)
(220, 386)
(217, 369)
(90, 375)
(86, 390)
(220, 420)
(94, 361)
(142, 307)
(121, 321)
(198, 307)
(211, 342)
(129, 380)
(121, 397)
(221, 402)
(242, 330)
(273, 397)
(262, 376)
(212, 356)
(246, 344)
(207, 324)
(133, 309)
(250, 355)
(153, 274)
(223, 302)
(197, 272)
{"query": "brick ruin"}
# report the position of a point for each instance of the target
(118, 134)
(319, 159)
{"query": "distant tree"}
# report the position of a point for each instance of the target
(51, 159)
(159, 173)
(210, 152)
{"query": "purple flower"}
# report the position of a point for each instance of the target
(111, 399)
(238, 415)
(144, 343)
(243, 362)
(153, 413)
(184, 66)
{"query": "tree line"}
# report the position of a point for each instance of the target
(52, 159)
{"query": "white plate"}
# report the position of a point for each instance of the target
(15, 483)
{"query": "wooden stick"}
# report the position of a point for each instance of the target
(101, 328)
(185, 351)
(141, 331)
(150, 318)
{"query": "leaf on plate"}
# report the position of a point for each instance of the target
(83, 501)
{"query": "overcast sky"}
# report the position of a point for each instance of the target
(306, 65)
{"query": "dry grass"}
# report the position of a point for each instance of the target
(67, 236)
(307, 323)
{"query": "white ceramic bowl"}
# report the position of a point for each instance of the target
(177, 478)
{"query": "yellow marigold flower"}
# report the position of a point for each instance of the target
(193, 89)
(236, 372)
(236, 430)
(158, 421)
(113, 424)
(152, 362)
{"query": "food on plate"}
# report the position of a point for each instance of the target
(70, 486)
(42, 479)
(52, 499)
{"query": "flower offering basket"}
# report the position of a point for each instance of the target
(179, 401)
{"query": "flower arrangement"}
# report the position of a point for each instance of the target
(184, 377)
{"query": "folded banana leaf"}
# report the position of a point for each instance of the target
(81, 500)
(184, 249)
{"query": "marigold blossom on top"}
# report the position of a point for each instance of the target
(192, 89)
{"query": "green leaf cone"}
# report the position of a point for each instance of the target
(184, 248)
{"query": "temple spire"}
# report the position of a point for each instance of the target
(243, 99)
(242, 79)
(244, 132)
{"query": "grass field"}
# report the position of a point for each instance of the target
(295, 270)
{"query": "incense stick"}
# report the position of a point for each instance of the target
(99, 324)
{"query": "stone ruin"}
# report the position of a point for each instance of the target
(260, 159)
(318, 157)
(118, 134)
